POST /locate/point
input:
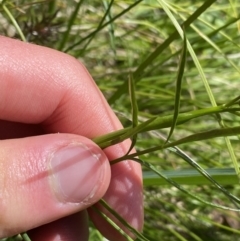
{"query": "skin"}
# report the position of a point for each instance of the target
(47, 100)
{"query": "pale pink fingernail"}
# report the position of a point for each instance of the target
(76, 173)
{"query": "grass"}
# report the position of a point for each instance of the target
(181, 61)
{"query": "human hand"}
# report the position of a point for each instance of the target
(55, 171)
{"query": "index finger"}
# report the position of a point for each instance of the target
(40, 85)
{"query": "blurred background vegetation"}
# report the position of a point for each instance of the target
(113, 39)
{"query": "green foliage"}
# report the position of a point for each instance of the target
(163, 53)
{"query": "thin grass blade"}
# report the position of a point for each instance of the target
(133, 101)
(176, 234)
(157, 123)
(111, 25)
(233, 102)
(122, 220)
(103, 26)
(218, 49)
(173, 183)
(25, 237)
(191, 162)
(127, 133)
(205, 82)
(14, 22)
(99, 27)
(206, 135)
(204, 173)
(192, 138)
(69, 26)
(178, 87)
(106, 218)
(139, 71)
(134, 110)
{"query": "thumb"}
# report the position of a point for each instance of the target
(47, 177)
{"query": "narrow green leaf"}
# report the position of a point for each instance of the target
(52, 6)
(14, 22)
(134, 106)
(205, 81)
(139, 71)
(173, 183)
(224, 132)
(204, 173)
(191, 162)
(17, 237)
(191, 51)
(133, 99)
(219, 225)
(105, 217)
(218, 49)
(233, 156)
(122, 220)
(178, 87)
(195, 137)
(200, 40)
(130, 132)
(233, 102)
(111, 25)
(165, 121)
(176, 234)
(25, 237)
(226, 24)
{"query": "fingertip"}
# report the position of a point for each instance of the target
(45, 178)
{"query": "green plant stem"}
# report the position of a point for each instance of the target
(156, 123)
(195, 137)
(70, 24)
(111, 222)
(14, 22)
